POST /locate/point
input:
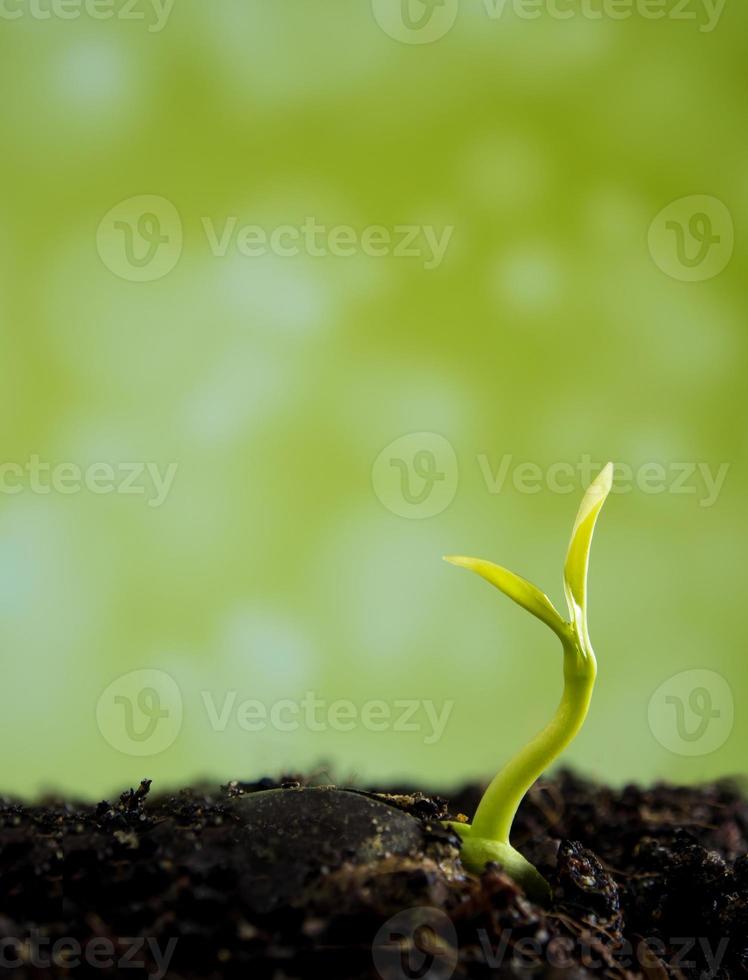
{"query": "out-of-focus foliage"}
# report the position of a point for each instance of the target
(288, 550)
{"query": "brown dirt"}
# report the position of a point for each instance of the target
(649, 883)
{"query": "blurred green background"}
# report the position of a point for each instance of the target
(333, 423)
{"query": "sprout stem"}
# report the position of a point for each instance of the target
(497, 809)
(487, 838)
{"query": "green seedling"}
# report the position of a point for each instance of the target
(487, 837)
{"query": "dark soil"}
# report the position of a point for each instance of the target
(248, 883)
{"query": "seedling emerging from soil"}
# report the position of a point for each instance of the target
(487, 837)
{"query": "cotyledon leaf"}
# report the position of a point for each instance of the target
(517, 588)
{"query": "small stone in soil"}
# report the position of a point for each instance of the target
(292, 836)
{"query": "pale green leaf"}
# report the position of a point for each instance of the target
(578, 555)
(517, 588)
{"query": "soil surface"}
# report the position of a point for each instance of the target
(280, 880)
